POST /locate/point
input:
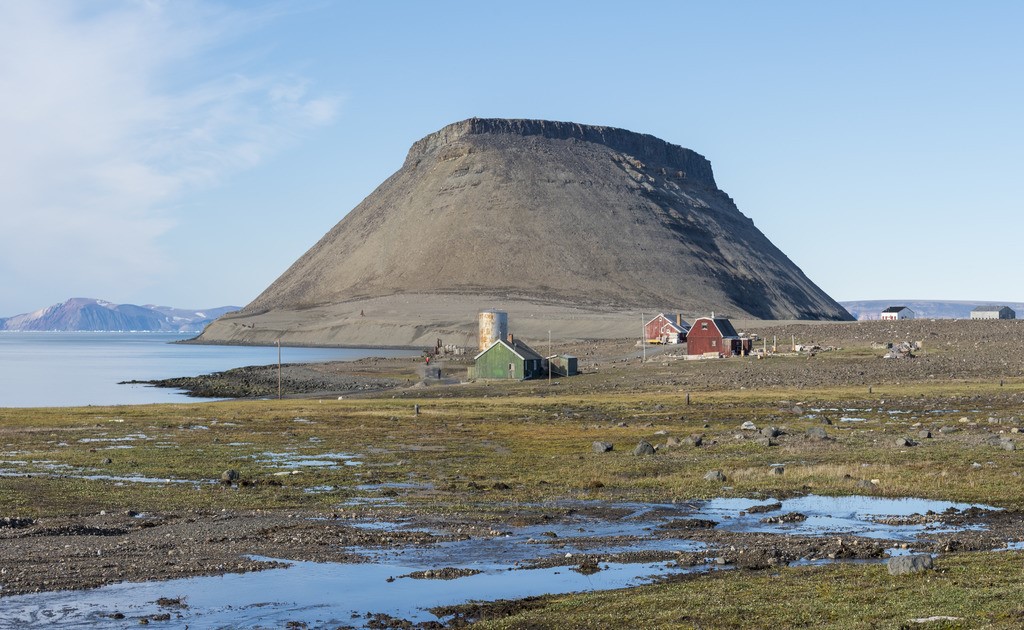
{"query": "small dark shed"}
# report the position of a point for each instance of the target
(564, 365)
(715, 335)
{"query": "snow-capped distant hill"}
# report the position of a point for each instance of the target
(87, 314)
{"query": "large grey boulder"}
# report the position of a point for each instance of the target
(601, 447)
(643, 448)
(914, 563)
(816, 433)
(714, 475)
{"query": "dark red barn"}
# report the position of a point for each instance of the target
(716, 335)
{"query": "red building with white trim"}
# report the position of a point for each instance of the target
(664, 329)
(715, 335)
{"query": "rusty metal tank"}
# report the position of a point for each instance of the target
(493, 326)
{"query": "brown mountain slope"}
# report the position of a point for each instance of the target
(538, 212)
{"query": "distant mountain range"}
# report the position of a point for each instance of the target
(87, 314)
(928, 309)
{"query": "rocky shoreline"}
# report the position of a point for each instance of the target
(296, 379)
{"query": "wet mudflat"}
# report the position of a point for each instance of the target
(592, 546)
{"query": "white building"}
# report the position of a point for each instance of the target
(897, 312)
(993, 312)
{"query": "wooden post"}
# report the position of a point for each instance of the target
(687, 399)
(279, 369)
(643, 338)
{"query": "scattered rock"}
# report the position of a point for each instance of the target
(789, 517)
(588, 566)
(673, 442)
(777, 470)
(924, 434)
(761, 509)
(14, 522)
(171, 602)
(864, 484)
(914, 563)
(816, 433)
(766, 441)
(690, 523)
(904, 442)
(108, 461)
(1007, 445)
(715, 475)
(601, 447)
(949, 430)
(229, 476)
(748, 426)
(770, 432)
(643, 448)
(694, 440)
(447, 573)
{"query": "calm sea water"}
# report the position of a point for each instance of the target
(52, 369)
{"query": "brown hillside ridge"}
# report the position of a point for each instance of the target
(576, 225)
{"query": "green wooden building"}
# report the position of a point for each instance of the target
(510, 359)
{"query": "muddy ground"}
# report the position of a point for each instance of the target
(79, 552)
(83, 549)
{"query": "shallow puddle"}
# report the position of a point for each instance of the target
(298, 460)
(394, 485)
(332, 594)
(853, 515)
(321, 595)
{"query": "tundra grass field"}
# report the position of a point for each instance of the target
(88, 492)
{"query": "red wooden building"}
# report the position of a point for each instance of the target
(665, 329)
(715, 335)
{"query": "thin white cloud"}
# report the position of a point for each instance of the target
(112, 111)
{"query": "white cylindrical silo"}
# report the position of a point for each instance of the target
(493, 326)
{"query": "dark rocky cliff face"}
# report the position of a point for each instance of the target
(557, 213)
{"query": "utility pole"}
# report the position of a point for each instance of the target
(643, 337)
(278, 369)
(550, 356)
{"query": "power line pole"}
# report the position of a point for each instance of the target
(549, 358)
(643, 337)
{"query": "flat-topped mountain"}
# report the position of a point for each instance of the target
(538, 212)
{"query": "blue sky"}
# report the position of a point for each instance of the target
(186, 153)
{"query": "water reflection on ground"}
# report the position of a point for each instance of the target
(331, 594)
